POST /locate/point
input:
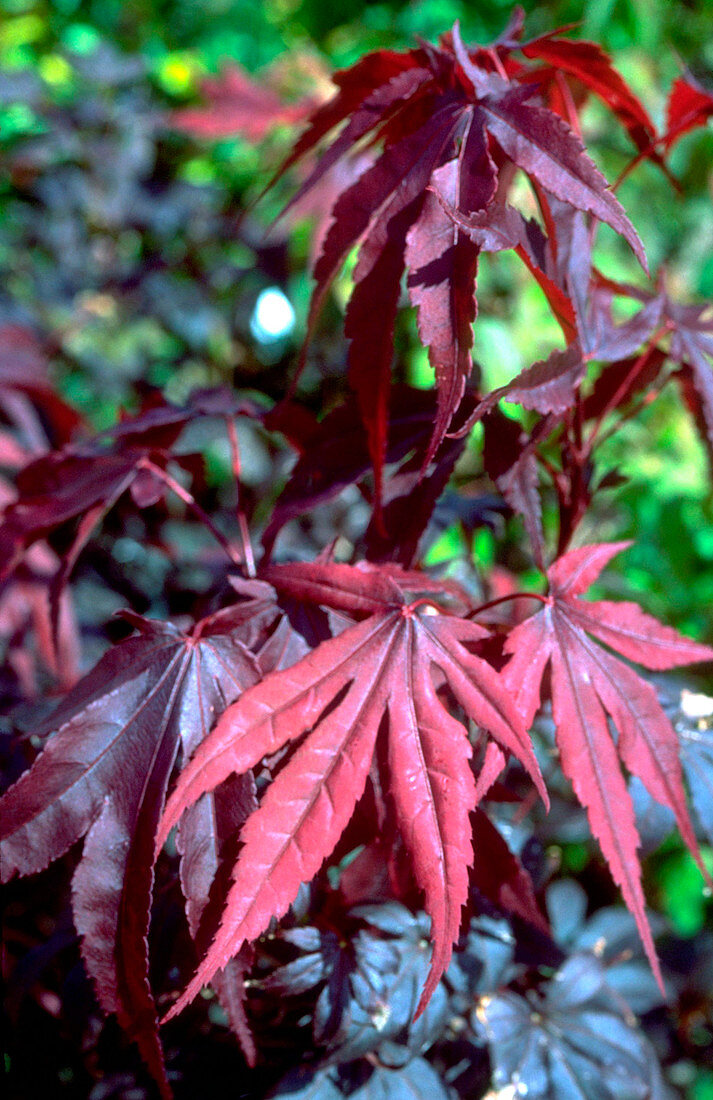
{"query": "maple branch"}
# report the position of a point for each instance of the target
(190, 501)
(649, 152)
(242, 521)
(643, 402)
(499, 67)
(503, 599)
(613, 401)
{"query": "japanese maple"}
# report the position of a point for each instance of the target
(370, 699)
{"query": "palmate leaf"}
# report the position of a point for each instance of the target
(611, 935)
(692, 716)
(83, 481)
(446, 125)
(589, 684)
(371, 982)
(237, 104)
(375, 679)
(104, 773)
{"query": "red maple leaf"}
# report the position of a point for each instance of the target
(689, 105)
(104, 773)
(589, 684)
(237, 104)
(446, 124)
(589, 65)
(380, 678)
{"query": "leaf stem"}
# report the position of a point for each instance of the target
(242, 520)
(649, 152)
(640, 363)
(503, 599)
(499, 67)
(190, 501)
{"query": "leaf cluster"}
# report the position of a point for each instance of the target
(344, 716)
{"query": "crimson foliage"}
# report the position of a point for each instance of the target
(331, 705)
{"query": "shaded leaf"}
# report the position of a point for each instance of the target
(335, 453)
(88, 479)
(362, 1081)
(611, 935)
(104, 773)
(447, 125)
(236, 104)
(25, 385)
(499, 875)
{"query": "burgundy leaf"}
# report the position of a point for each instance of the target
(607, 340)
(360, 589)
(543, 146)
(335, 453)
(356, 85)
(104, 773)
(87, 479)
(384, 100)
(62, 486)
(393, 186)
(440, 117)
(204, 843)
(411, 502)
(500, 876)
(621, 381)
(442, 262)
(548, 386)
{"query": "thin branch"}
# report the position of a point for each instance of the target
(242, 521)
(638, 366)
(190, 501)
(504, 599)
